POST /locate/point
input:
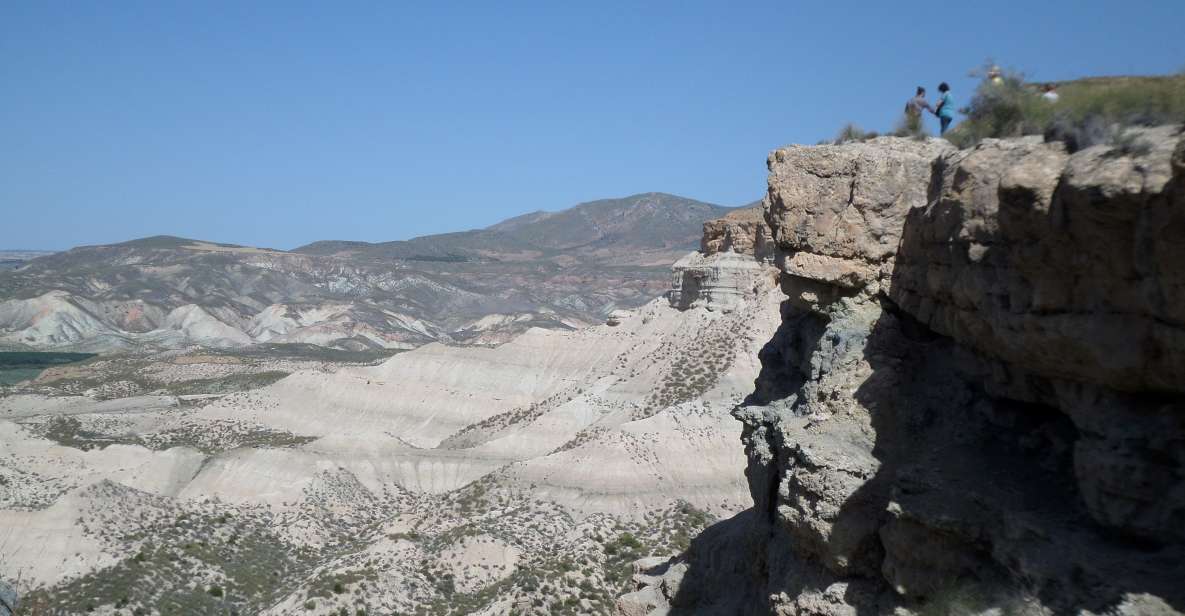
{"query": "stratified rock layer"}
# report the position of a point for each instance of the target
(974, 401)
(732, 266)
(742, 231)
(1070, 267)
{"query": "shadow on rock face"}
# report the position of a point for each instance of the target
(972, 505)
(985, 473)
(717, 577)
(1028, 423)
(8, 599)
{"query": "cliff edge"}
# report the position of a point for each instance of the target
(975, 402)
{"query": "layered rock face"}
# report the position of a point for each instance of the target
(742, 231)
(731, 267)
(976, 400)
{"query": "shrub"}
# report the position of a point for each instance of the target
(1088, 112)
(1128, 143)
(1078, 135)
(1004, 107)
(910, 126)
(851, 132)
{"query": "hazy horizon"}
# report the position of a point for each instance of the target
(18, 249)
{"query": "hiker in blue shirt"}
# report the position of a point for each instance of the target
(945, 110)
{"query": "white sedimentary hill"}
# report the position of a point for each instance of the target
(515, 403)
(490, 467)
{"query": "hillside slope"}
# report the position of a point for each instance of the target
(637, 229)
(557, 270)
(519, 478)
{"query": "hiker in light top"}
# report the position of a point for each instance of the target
(914, 108)
(1050, 94)
(945, 109)
(995, 75)
(918, 103)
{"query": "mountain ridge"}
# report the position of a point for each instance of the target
(527, 232)
(558, 270)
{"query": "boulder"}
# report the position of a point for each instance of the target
(848, 202)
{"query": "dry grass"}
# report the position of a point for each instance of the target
(1088, 111)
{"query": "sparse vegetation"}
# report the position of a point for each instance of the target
(969, 599)
(343, 545)
(257, 567)
(852, 132)
(1088, 111)
(208, 437)
(227, 384)
(911, 126)
(692, 375)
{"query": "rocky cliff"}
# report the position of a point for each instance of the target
(742, 231)
(731, 267)
(974, 403)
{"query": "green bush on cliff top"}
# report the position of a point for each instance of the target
(1088, 111)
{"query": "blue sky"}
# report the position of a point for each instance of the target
(280, 123)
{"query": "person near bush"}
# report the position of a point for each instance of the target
(995, 75)
(914, 108)
(945, 109)
(1050, 94)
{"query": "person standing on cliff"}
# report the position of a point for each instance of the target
(913, 110)
(945, 110)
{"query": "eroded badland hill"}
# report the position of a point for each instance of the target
(557, 270)
(447, 479)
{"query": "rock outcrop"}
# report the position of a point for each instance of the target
(742, 231)
(731, 267)
(976, 400)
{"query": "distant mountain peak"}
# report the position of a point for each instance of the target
(644, 222)
(169, 242)
(157, 241)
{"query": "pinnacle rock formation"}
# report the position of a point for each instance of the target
(731, 267)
